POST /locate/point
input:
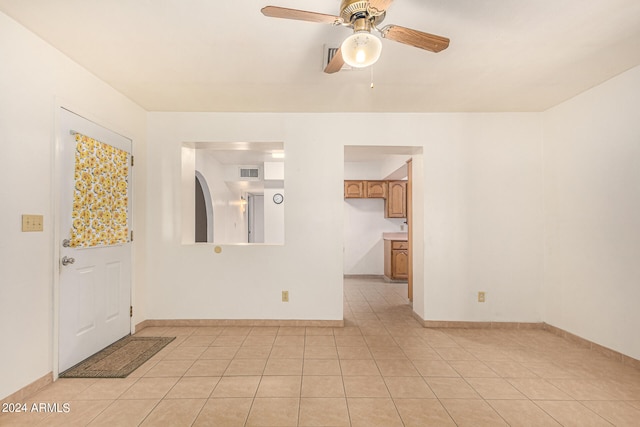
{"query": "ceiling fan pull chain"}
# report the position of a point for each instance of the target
(371, 76)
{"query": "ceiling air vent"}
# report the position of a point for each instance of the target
(329, 53)
(249, 173)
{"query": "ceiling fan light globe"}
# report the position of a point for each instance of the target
(361, 49)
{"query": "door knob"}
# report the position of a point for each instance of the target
(67, 260)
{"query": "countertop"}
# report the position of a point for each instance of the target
(402, 236)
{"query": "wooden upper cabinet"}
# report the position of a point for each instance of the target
(357, 189)
(394, 193)
(376, 189)
(396, 206)
(354, 189)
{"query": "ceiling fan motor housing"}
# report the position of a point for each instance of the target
(351, 10)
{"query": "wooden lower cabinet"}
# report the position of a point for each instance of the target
(396, 259)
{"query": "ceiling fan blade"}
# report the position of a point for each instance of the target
(335, 64)
(300, 15)
(379, 5)
(415, 38)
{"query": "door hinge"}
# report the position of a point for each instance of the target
(130, 311)
(132, 160)
(131, 236)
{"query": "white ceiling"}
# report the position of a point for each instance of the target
(212, 55)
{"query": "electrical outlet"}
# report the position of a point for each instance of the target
(285, 296)
(32, 222)
(480, 296)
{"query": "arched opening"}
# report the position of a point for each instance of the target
(203, 211)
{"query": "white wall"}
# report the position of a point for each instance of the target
(364, 222)
(34, 79)
(592, 219)
(245, 281)
(274, 171)
(187, 177)
(482, 216)
(274, 213)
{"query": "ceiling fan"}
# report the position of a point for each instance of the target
(361, 49)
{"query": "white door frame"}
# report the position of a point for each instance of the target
(55, 243)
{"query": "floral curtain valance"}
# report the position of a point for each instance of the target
(100, 200)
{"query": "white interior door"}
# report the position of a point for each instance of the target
(95, 256)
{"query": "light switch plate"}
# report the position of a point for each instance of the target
(32, 222)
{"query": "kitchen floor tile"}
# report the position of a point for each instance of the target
(367, 412)
(274, 412)
(174, 413)
(224, 412)
(365, 386)
(423, 413)
(572, 413)
(472, 413)
(325, 412)
(408, 387)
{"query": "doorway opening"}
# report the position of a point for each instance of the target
(379, 225)
(255, 218)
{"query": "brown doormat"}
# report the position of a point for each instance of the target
(119, 359)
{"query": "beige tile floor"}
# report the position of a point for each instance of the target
(381, 369)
